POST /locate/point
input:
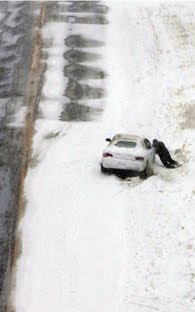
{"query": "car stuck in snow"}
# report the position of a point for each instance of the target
(128, 153)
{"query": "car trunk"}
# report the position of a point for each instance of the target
(127, 154)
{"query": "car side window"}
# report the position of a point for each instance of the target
(147, 143)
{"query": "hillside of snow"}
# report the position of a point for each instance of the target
(92, 242)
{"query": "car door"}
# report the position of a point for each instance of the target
(150, 150)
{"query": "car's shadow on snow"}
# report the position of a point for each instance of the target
(124, 174)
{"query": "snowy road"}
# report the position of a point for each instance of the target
(16, 23)
(92, 242)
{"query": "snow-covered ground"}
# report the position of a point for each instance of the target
(96, 243)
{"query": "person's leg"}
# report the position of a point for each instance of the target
(173, 162)
(166, 163)
(168, 158)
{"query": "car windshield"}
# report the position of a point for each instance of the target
(126, 144)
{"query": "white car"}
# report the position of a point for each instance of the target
(128, 152)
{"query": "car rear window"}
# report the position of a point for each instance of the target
(126, 144)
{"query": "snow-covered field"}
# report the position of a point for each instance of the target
(96, 243)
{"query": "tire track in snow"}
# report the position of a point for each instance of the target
(82, 79)
(79, 95)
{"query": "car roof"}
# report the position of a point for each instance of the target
(127, 137)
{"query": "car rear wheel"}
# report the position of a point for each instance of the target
(147, 172)
(104, 170)
(143, 174)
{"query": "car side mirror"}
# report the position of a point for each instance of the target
(108, 139)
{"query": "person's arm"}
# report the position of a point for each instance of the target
(147, 143)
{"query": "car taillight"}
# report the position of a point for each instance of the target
(139, 158)
(107, 155)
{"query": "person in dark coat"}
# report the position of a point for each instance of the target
(163, 153)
